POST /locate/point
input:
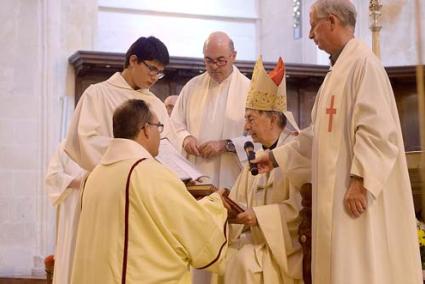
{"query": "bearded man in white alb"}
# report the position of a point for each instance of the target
(364, 227)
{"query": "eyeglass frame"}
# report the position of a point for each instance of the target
(159, 125)
(154, 71)
(210, 61)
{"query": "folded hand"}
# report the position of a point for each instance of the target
(212, 149)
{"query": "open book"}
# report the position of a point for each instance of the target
(172, 159)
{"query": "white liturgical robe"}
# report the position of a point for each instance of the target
(269, 252)
(211, 111)
(356, 131)
(65, 198)
(91, 129)
(139, 223)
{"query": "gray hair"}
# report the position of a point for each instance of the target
(344, 10)
(281, 118)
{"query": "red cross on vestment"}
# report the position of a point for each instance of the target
(331, 111)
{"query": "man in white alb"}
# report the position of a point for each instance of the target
(90, 131)
(62, 181)
(363, 221)
(210, 111)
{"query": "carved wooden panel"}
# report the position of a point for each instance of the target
(302, 81)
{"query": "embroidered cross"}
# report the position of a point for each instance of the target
(331, 111)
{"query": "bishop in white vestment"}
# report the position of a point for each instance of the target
(263, 246)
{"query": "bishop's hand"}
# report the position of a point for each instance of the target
(355, 199)
(247, 217)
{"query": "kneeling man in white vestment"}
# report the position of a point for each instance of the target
(264, 245)
(138, 223)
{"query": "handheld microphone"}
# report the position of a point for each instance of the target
(249, 149)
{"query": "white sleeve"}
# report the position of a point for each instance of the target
(178, 117)
(85, 142)
(59, 176)
(376, 129)
(294, 158)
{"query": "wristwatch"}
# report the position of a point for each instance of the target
(229, 146)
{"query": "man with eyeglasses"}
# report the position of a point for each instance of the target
(90, 131)
(209, 112)
(364, 227)
(138, 222)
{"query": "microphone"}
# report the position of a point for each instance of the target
(249, 149)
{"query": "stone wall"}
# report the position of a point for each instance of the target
(398, 35)
(182, 25)
(36, 37)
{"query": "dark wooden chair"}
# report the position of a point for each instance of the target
(304, 231)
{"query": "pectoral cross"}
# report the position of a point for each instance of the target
(331, 111)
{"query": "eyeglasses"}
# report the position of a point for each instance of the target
(154, 71)
(159, 125)
(221, 61)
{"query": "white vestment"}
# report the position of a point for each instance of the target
(138, 221)
(211, 111)
(356, 131)
(269, 252)
(91, 129)
(60, 173)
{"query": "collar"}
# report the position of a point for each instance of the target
(333, 58)
(282, 138)
(272, 146)
(117, 80)
(124, 149)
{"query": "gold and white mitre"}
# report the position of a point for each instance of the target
(267, 92)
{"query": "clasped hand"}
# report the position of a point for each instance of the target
(206, 150)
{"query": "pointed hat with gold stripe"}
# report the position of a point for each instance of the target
(267, 92)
